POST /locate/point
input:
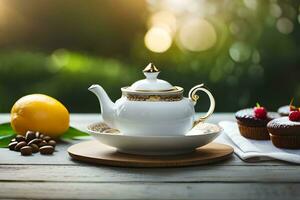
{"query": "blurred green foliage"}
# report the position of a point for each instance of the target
(67, 75)
(63, 75)
(69, 46)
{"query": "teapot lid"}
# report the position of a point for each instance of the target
(151, 83)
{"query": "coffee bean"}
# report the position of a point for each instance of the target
(52, 143)
(30, 135)
(47, 138)
(20, 145)
(41, 136)
(13, 140)
(37, 134)
(20, 138)
(42, 143)
(12, 145)
(47, 150)
(26, 151)
(35, 148)
(35, 141)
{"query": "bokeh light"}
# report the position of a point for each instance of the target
(176, 6)
(197, 35)
(251, 4)
(158, 40)
(275, 10)
(240, 52)
(163, 19)
(255, 57)
(256, 71)
(234, 28)
(284, 25)
(289, 11)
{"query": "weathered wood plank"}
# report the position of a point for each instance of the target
(61, 157)
(232, 191)
(91, 173)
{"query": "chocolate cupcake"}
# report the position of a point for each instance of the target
(284, 110)
(253, 125)
(285, 133)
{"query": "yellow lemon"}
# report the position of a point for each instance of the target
(38, 112)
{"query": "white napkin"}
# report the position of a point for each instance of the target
(254, 150)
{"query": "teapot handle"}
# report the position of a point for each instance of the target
(194, 98)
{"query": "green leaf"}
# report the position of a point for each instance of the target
(7, 133)
(5, 129)
(73, 133)
(5, 140)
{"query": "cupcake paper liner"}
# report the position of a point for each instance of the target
(286, 141)
(256, 133)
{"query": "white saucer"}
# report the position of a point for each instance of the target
(200, 135)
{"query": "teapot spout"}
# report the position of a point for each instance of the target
(107, 106)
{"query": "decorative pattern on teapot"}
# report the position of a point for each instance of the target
(152, 107)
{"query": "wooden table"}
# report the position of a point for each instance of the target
(59, 177)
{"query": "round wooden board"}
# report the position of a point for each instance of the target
(97, 153)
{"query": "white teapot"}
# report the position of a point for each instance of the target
(152, 107)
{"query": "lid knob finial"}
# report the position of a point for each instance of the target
(150, 68)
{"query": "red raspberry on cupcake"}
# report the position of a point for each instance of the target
(260, 112)
(253, 122)
(295, 115)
